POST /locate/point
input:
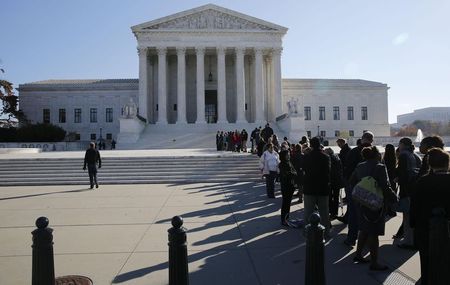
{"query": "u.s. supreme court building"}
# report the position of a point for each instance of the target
(208, 68)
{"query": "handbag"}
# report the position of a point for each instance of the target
(368, 193)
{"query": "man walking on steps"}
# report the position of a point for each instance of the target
(91, 158)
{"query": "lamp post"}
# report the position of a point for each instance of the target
(318, 131)
(100, 133)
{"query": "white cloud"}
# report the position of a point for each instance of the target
(400, 39)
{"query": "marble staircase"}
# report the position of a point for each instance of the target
(131, 170)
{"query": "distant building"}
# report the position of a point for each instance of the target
(435, 114)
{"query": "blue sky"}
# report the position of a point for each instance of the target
(404, 43)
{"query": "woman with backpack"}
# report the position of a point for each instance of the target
(371, 221)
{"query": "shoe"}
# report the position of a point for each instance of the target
(349, 243)
(378, 267)
(360, 260)
(285, 224)
(92, 187)
(396, 236)
(96, 185)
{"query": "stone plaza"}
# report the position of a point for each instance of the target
(117, 234)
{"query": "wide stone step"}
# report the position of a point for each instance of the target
(130, 170)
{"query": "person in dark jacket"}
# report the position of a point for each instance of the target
(288, 176)
(408, 167)
(431, 191)
(345, 149)
(426, 144)
(317, 183)
(390, 161)
(336, 182)
(91, 158)
(353, 158)
(371, 223)
(298, 160)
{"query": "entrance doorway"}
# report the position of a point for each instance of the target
(211, 106)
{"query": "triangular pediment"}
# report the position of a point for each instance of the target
(209, 17)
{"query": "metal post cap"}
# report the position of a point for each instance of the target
(314, 219)
(177, 222)
(42, 222)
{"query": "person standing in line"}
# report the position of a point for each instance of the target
(317, 183)
(426, 144)
(336, 182)
(244, 138)
(298, 160)
(253, 141)
(91, 159)
(431, 191)
(269, 166)
(407, 172)
(371, 223)
(353, 158)
(113, 144)
(288, 176)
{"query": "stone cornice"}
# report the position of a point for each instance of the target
(130, 84)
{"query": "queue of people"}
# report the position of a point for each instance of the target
(402, 181)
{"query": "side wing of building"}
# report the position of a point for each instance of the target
(88, 108)
(339, 107)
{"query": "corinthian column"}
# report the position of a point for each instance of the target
(200, 54)
(143, 82)
(276, 63)
(162, 86)
(259, 116)
(221, 86)
(240, 89)
(181, 88)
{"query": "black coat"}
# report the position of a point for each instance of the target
(351, 161)
(431, 191)
(336, 173)
(317, 173)
(343, 154)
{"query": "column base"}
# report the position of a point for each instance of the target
(222, 122)
(161, 123)
(241, 122)
(181, 123)
(200, 122)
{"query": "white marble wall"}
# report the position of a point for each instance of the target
(342, 93)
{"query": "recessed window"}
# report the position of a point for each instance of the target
(321, 113)
(336, 114)
(351, 133)
(364, 115)
(337, 134)
(109, 115)
(308, 134)
(62, 115)
(350, 114)
(93, 137)
(174, 107)
(323, 134)
(77, 137)
(77, 116)
(93, 115)
(307, 111)
(46, 116)
(109, 136)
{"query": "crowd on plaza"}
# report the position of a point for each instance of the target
(377, 185)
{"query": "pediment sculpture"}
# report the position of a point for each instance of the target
(210, 19)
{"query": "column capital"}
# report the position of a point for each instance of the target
(161, 50)
(142, 50)
(221, 49)
(240, 51)
(181, 51)
(277, 51)
(258, 51)
(200, 49)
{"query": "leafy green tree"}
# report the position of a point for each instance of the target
(9, 102)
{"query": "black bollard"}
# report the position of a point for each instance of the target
(315, 244)
(178, 259)
(43, 266)
(438, 260)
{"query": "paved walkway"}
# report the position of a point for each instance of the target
(117, 234)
